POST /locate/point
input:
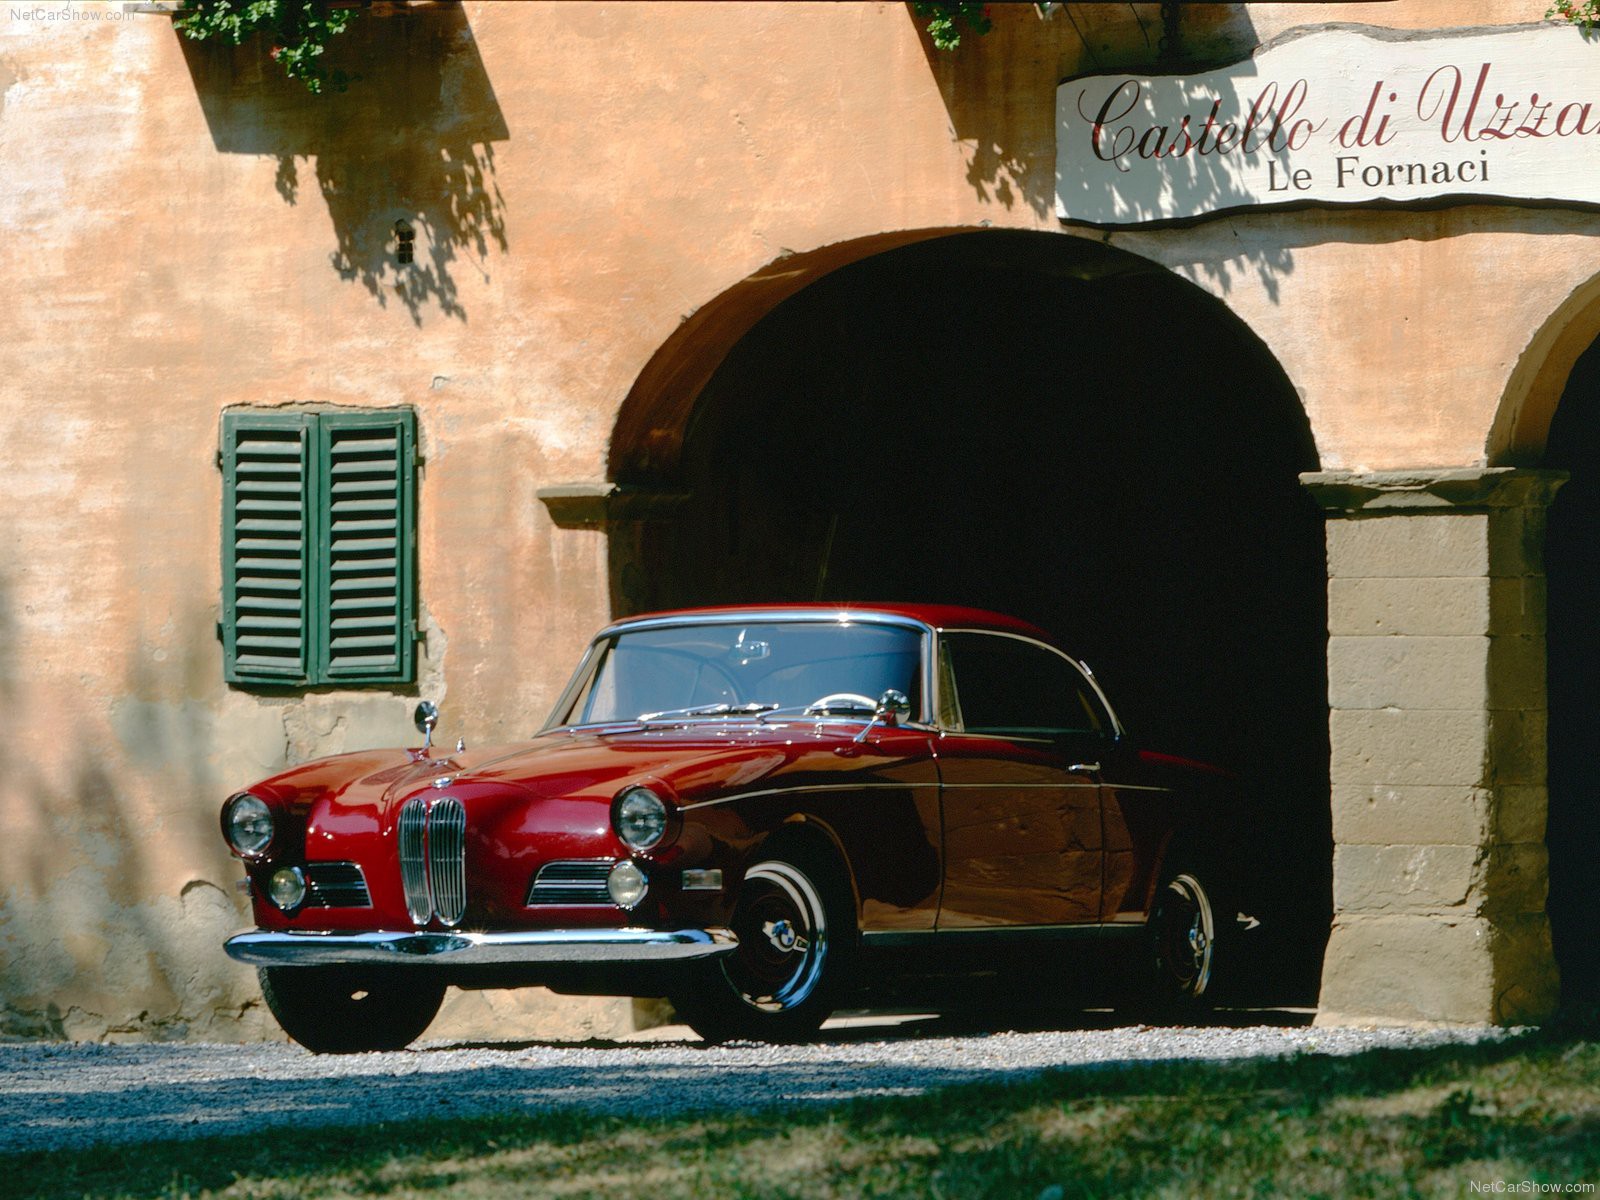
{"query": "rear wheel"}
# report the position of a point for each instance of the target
(330, 1010)
(795, 922)
(1188, 927)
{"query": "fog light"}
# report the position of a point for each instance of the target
(627, 884)
(287, 888)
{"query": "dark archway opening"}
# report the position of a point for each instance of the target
(1572, 570)
(1040, 425)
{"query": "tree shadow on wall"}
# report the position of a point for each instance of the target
(116, 902)
(1011, 145)
(412, 140)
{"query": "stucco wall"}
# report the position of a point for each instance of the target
(185, 231)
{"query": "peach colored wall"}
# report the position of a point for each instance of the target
(183, 232)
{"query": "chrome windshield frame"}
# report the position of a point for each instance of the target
(812, 616)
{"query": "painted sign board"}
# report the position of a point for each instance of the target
(1342, 115)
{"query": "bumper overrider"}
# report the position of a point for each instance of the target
(422, 950)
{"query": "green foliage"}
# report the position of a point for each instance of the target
(299, 32)
(946, 20)
(1585, 14)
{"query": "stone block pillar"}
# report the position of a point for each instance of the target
(1436, 666)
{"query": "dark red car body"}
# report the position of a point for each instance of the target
(942, 837)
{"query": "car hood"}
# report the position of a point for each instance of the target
(695, 762)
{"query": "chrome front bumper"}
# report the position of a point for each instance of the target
(552, 947)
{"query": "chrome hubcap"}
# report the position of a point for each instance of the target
(784, 936)
(1185, 934)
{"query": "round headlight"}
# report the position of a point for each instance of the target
(248, 825)
(627, 884)
(640, 818)
(287, 888)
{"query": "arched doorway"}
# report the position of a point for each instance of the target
(1572, 570)
(1044, 426)
(1550, 418)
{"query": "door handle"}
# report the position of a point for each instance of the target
(1087, 768)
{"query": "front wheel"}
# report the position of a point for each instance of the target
(795, 922)
(330, 1010)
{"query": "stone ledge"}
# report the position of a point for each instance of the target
(1463, 488)
(596, 505)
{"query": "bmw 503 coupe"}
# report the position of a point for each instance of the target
(756, 812)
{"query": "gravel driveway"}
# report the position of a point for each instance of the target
(65, 1095)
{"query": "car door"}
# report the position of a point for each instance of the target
(1019, 784)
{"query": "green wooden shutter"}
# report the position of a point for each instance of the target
(366, 525)
(266, 469)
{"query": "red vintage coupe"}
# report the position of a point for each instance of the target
(756, 812)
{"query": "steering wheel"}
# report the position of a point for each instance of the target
(841, 701)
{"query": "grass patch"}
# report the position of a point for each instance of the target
(1385, 1123)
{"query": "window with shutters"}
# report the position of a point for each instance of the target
(318, 546)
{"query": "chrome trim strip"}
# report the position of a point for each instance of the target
(1021, 933)
(580, 675)
(900, 787)
(1115, 787)
(925, 783)
(811, 787)
(1021, 787)
(304, 948)
(826, 616)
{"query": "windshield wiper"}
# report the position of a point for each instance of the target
(706, 710)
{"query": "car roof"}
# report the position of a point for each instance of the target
(940, 616)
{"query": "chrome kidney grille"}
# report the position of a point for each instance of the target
(433, 858)
(447, 858)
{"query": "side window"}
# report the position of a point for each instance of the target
(1012, 688)
(318, 547)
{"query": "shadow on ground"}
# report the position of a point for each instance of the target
(1443, 1110)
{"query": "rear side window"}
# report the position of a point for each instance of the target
(1008, 687)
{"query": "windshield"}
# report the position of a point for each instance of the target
(733, 669)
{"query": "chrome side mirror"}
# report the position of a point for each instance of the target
(893, 707)
(426, 717)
